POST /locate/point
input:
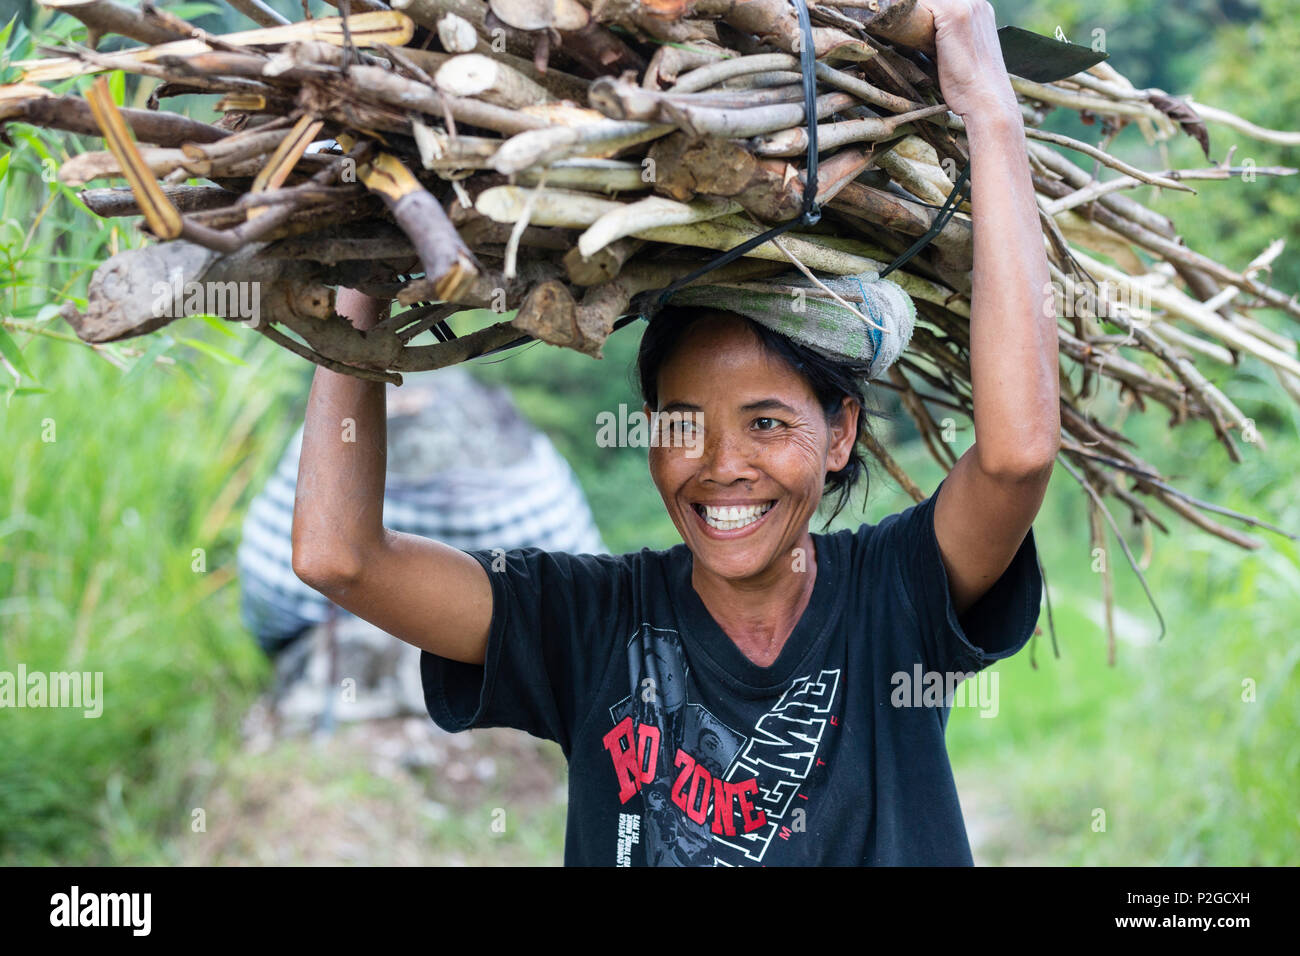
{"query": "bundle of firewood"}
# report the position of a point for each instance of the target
(556, 160)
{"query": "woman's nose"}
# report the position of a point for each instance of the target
(727, 457)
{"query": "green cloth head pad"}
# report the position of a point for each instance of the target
(803, 312)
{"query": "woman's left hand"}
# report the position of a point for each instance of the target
(972, 74)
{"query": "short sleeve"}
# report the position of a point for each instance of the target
(550, 642)
(998, 625)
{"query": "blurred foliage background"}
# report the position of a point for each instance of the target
(120, 461)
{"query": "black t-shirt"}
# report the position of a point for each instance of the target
(683, 752)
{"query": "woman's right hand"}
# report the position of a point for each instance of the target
(422, 591)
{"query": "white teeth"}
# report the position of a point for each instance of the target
(730, 517)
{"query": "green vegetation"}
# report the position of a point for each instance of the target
(122, 461)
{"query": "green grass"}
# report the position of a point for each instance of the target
(97, 558)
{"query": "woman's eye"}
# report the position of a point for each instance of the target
(766, 424)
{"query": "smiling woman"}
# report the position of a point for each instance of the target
(777, 425)
(731, 700)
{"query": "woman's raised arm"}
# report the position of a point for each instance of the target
(426, 593)
(990, 499)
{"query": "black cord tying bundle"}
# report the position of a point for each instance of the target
(945, 213)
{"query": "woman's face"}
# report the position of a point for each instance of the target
(761, 446)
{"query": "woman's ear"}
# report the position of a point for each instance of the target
(843, 434)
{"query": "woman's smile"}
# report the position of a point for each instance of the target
(732, 519)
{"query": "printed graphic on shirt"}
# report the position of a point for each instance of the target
(781, 755)
(629, 834)
(711, 795)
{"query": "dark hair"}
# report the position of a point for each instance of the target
(830, 381)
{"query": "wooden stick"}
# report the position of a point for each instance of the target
(589, 43)
(427, 13)
(1098, 189)
(1057, 96)
(116, 202)
(553, 207)
(313, 356)
(457, 35)
(139, 291)
(669, 62)
(646, 214)
(1119, 204)
(794, 142)
(416, 358)
(561, 85)
(738, 124)
(287, 153)
(1194, 312)
(715, 71)
(259, 13)
(367, 29)
(475, 75)
(1103, 157)
(103, 17)
(1172, 250)
(391, 89)
(447, 261)
(542, 147)
(622, 100)
(591, 175)
(917, 178)
(248, 144)
(643, 19)
(778, 24)
(73, 115)
(602, 266)
(900, 21)
(159, 213)
(1213, 114)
